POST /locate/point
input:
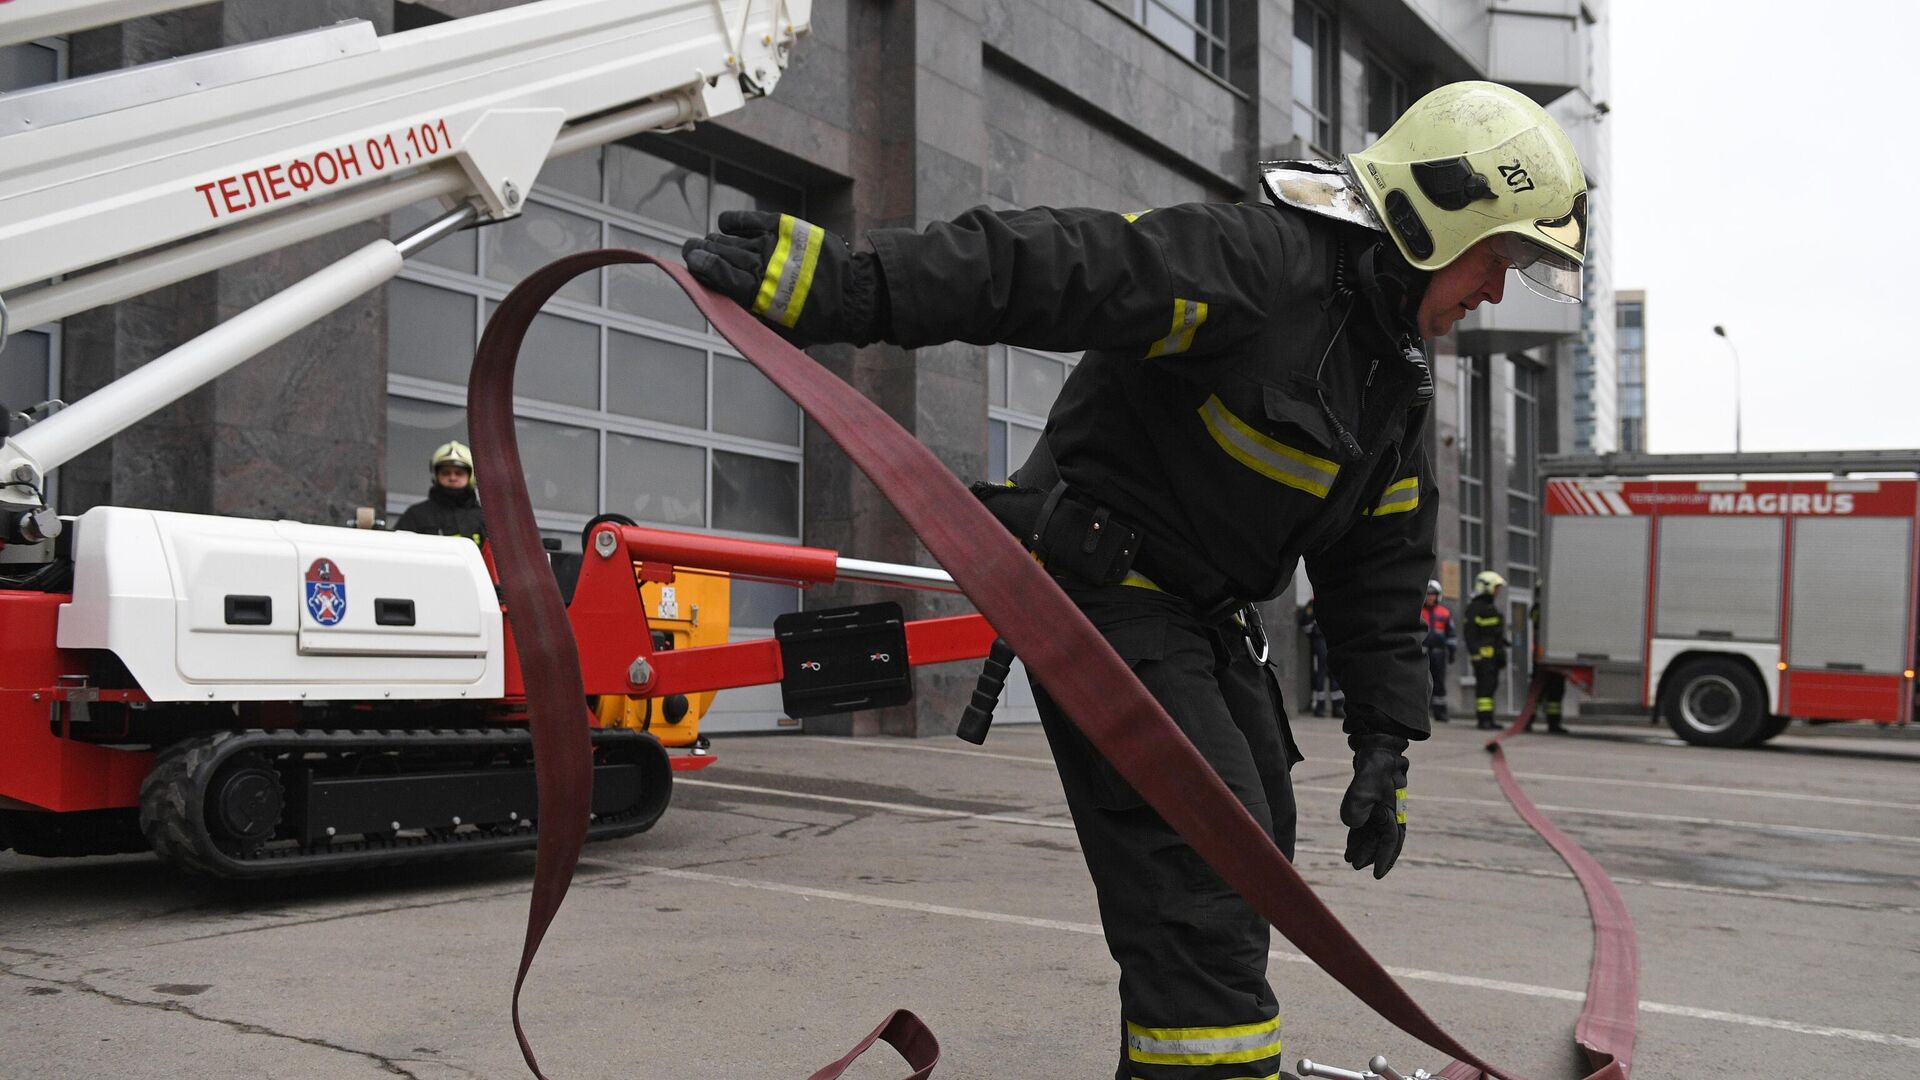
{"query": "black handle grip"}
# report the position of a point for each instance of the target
(978, 718)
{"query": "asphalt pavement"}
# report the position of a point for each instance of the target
(804, 886)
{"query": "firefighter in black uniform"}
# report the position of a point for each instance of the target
(1254, 391)
(1553, 684)
(1486, 638)
(1324, 688)
(452, 506)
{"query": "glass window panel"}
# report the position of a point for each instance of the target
(429, 332)
(656, 481)
(997, 469)
(562, 464)
(575, 174)
(646, 183)
(1162, 24)
(27, 65)
(25, 365)
(1303, 58)
(756, 494)
(646, 290)
(414, 430)
(738, 189)
(461, 251)
(1033, 382)
(756, 604)
(1021, 440)
(537, 237)
(997, 375)
(1303, 124)
(656, 380)
(745, 403)
(559, 361)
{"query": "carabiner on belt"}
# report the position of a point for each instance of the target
(1258, 646)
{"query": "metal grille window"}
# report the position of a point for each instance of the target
(1314, 72)
(1523, 480)
(1021, 386)
(1474, 436)
(1387, 97)
(1196, 29)
(627, 402)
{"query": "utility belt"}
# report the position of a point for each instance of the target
(1087, 542)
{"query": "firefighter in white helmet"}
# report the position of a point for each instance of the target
(452, 505)
(1486, 637)
(1442, 642)
(1254, 390)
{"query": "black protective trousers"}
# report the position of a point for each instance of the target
(1437, 671)
(1194, 999)
(1486, 686)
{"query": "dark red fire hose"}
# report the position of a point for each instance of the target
(1045, 629)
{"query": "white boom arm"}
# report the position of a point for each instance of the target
(185, 166)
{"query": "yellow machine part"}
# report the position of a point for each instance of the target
(693, 610)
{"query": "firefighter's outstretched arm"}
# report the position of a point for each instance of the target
(1367, 588)
(1186, 280)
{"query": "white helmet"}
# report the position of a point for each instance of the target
(1486, 581)
(1433, 586)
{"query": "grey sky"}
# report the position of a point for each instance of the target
(1760, 181)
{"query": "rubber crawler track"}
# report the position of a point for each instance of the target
(173, 801)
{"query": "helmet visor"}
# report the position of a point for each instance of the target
(1548, 274)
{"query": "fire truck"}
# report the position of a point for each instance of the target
(258, 698)
(1731, 593)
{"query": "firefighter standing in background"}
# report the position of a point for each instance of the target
(452, 505)
(1254, 391)
(1324, 688)
(1553, 684)
(1487, 643)
(1441, 643)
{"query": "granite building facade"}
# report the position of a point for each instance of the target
(893, 114)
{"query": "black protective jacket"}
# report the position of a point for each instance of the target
(1221, 405)
(446, 512)
(1486, 632)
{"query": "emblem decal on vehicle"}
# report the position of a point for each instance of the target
(326, 592)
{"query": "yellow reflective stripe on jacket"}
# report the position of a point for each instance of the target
(1140, 581)
(1203, 1045)
(789, 276)
(1188, 316)
(1400, 497)
(1265, 455)
(1400, 805)
(1486, 620)
(1485, 653)
(1136, 215)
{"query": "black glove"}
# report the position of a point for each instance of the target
(1374, 809)
(803, 280)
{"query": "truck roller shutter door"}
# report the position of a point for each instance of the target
(1596, 587)
(1719, 578)
(1850, 593)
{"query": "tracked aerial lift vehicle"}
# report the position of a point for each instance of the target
(253, 698)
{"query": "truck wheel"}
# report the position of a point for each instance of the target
(1714, 702)
(1773, 726)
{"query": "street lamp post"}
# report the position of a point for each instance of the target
(1722, 331)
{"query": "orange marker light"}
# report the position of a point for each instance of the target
(1909, 673)
(1782, 665)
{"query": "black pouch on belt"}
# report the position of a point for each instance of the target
(1073, 537)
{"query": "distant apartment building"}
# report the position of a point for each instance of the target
(1630, 341)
